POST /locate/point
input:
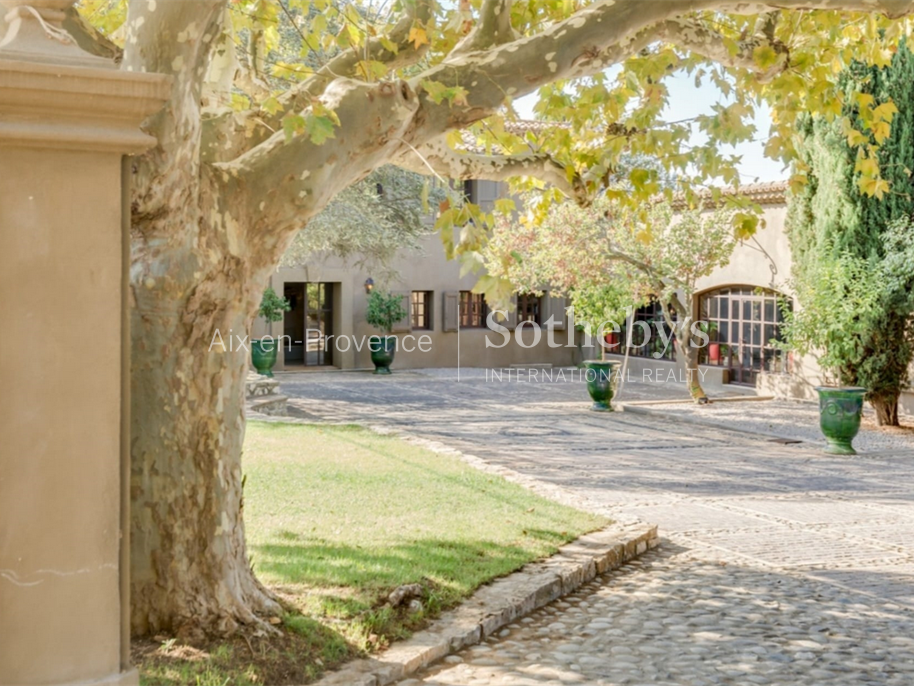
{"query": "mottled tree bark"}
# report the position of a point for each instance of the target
(886, 406)
(687, 348)
(193, 297)
(190, 569)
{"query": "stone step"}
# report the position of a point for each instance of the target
(259, 386)
(272, 405)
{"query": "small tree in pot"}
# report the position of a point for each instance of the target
(384, 310)
(263, 351)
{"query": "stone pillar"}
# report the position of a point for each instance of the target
(67, 119)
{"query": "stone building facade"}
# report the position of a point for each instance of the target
(446, 324)
(742, 301)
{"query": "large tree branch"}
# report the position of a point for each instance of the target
(346, 63)
(593, 39)
(381, 123)
(171, 37)
(89, 38)
(228, 134)
(437, 156)
(285, 183)
(700, 39)
(493, 28)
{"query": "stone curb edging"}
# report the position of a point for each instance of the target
(501, 602)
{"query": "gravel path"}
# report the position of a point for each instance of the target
(788, 419)
(674, 619)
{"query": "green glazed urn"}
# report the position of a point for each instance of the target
(382, 352)
(600, 376)
(263, 355)
(840, 410)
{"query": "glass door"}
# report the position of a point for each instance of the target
(318, 324)
(744, 330)
(308, 325)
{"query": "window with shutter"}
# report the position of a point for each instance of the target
(421, 310)
(556, 316)
(529, 308)
(473, 310)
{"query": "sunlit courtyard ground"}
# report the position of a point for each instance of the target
(779, 564)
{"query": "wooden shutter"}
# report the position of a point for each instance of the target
(511, 321)
(404, 325)
(487, 192)
(430, 310)
(555, 308)
(450, 310)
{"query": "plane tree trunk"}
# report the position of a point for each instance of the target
(687, 345)
(190, 570)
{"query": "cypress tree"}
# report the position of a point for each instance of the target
(831, 218)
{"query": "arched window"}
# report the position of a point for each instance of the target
(744, 326)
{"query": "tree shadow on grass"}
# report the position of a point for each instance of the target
(453, 569)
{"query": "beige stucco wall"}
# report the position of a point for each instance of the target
(762, 261)
(66, 120)
(424, 269)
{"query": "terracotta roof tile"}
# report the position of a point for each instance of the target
(768, 193)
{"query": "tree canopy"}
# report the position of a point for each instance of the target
(289, 71)
(371, 220)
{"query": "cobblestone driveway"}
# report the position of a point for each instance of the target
(781, 565)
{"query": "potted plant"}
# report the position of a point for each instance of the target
(601, 377)
(714, 347)
(657, 348)
(263, 351)
(840, 409)
(384, 310)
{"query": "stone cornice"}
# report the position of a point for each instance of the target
(77, 107)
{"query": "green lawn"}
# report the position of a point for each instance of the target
(338, 516)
